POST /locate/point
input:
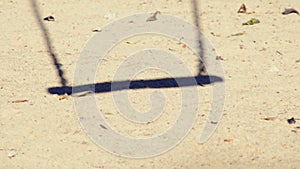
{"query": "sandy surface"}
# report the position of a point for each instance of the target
(261, 74)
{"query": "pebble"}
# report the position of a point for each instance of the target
(274, 69)
(11, 154)
(110, 16)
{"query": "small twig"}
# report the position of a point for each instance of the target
(153, 17)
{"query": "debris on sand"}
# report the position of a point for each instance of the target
(96, 30)
(49, 18)
(219, 58)
(63, 97)
(289, 11)
(11, 154)
(242, 9)
(213, 34)
(102, 126)
(279, 52)
(270, 118)
(291, 120)
(236, 34)
(296, 129)
(229, 139)
(274, 69)
(252, 22)
(19, 101)
(153, 17)
(110, 16)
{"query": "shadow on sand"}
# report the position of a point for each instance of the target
(136, 84)
(123, 85)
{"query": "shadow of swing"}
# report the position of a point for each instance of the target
(47, 41)
(136, 84)
(103, 87)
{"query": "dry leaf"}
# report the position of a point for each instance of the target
(289, 11)
(153, 17)
(242, 9)
(19, 101)
(252, 22)
(230, 139)
(236, 34)
(270, 118)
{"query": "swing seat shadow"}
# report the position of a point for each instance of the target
(136, 84)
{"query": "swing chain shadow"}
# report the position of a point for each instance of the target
(48, 43)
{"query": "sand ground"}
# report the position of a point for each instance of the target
(261, 75)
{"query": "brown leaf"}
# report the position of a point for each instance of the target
(270, 118)
(242, 9)
(229, 139)
(19, 101)
(153, 17)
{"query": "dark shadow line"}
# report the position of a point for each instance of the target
(47, 40)
(196, 13)
(136, 84)
(201, 79)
